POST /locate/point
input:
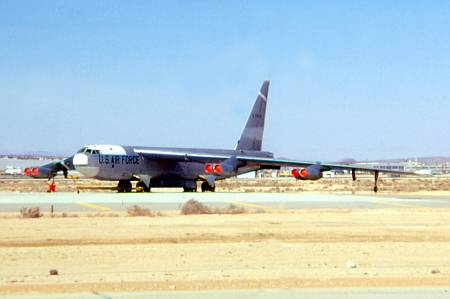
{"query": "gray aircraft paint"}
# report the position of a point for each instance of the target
(252, 136)
(125, 166)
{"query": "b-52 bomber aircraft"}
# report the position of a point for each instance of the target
(184, 167)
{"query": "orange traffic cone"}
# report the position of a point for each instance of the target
(51, 187)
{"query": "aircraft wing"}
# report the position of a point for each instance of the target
(324, 166)
(248, 160)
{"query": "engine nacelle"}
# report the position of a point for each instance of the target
(223, 169)
(227, 168)
(42, 172)
(310, 173)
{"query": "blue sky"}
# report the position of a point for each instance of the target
(348, 79)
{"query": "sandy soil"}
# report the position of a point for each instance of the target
(308, 248)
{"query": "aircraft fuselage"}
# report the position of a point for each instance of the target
(112, 162)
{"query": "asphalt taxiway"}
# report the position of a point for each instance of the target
(85, 202)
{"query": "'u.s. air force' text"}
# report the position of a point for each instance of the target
(111, 159)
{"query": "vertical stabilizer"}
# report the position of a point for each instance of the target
(252, 136)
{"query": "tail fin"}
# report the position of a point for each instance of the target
(252, 136)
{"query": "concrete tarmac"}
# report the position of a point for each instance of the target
(85, 202)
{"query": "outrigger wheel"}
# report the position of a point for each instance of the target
(375, 187)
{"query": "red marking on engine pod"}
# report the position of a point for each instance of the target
(35, 171)
(217, 168)
(304, 173)
(208, 168)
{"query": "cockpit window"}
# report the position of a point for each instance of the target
(88, 151)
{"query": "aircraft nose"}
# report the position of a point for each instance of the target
(80, 160)
(81, 163)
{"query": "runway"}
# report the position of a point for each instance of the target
(72, 202)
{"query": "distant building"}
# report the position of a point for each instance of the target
(410, 166)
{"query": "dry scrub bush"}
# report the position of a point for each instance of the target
(135, 210)
(193, 207)
(231, 209)
(34, 212)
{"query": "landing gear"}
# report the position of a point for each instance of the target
(189, 189)
(375, 187)
(141, 187)
(207, 187)
(189, 185)
(124, 186)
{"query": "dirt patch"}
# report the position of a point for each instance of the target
(302, 248)
(103, 215)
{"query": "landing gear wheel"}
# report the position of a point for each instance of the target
(189, 189)
(141, 187)
(124, 186)
(207, 187)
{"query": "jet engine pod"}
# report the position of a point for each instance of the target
(41, 172)
(310, 173)
(222, 169)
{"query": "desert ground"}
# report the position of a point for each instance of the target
(279, 249)
(111, 251)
